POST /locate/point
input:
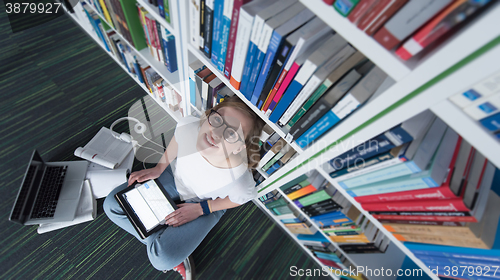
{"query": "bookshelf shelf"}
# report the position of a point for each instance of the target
(291, 235)
(172, 78)
(154, 11)
(471, 130)
(200, 56)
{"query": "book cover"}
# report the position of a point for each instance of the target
(202, 25)
(217, 30)
(209, 25)
(133, 24)
(384, 16)
(233, 31)
(321, 56)
(492, 122)
(224, 38)
(312, 198)
(451, 16)
(481, 89)
(408, 19)
(194, 23)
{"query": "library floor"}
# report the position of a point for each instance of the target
(58, 88)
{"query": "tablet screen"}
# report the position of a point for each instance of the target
(149, 204)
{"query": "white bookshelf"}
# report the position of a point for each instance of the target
(416, 75)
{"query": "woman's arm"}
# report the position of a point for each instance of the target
(155, 172)
(190, 211)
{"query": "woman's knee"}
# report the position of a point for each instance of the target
(110, 204)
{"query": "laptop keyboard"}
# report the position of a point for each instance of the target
(46, 201)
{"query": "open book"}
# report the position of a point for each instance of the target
(86, 211)
(105, 149)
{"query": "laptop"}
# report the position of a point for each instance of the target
(49, 192)
(146, 205)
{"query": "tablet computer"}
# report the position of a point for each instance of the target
(146, 205)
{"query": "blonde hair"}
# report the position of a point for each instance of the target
(253, 136)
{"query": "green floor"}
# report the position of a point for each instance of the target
(57, 89)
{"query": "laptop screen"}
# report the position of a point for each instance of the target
(149, 203)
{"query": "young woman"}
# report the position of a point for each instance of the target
(211, 174)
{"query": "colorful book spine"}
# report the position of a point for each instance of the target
(492, 122)
(209, 25)
(312, 198)
(166, 7)
(224, 38)
(161, 8)
(455, 204)
(217, 30)
(345, 7)
(442, 192)
(467, 219)
(194, 25)
(232, 37)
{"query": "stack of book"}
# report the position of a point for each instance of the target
(334, 215)
(139, 29)
(206, 90)
(287, 62)
(420, 174)
(411, 25)
(482, 103)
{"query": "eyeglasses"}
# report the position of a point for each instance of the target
(230, 133)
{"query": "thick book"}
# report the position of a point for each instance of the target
(233, 31)
(309, 37)
(448, 205)
(202, 25)
(312, 198)
(438, 193)
(383, 16)
(208, 25)
(216, 31)
(314, 82)
(481, 89)
(394, 218)
(328, 100)
(194, 68)
(199, 77)
(277, 53)
(430, 230)
(345, 7)
(360, 10)
(301, 192)
(246, 19)
(432, 177)
(332, 79)
(133, 24)
(315, 61)
(170, 51)
(441, 24)
(259, 34)
(442, 240)
(458, 252)
(224, 36)
(484, 107)
(492, 123)
(407, 20)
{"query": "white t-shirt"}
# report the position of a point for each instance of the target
(196, 179)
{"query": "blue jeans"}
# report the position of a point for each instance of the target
(169, 246)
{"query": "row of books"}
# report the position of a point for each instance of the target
(482, 103)
(134, 64)
(431, 177)
(140, 29)
(205, 88)
(290, 65)
(411, 24)
(309, 237)
(163, 8)
(330, 212)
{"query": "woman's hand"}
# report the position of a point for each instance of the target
(186, 213)
(144, 175)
